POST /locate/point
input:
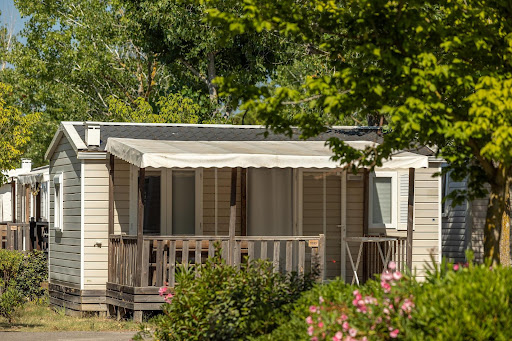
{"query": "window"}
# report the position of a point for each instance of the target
(383, 200)
(152, 200)
(58, 217)
(183, 202)
(172, 202)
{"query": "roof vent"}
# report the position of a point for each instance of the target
(92, 134)
(26, 164)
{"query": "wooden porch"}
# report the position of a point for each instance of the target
(130, 289)
(24, 236)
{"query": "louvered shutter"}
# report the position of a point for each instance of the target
(403, 197)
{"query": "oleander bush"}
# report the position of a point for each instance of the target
(220, 302)
(34, 271)
(455, 302)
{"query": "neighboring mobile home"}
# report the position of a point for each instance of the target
(263, 197)
(24, 205)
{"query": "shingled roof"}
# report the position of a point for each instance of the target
(219, 132)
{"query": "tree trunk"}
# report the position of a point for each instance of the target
(212, 73)
(505, 229)
(497, 224)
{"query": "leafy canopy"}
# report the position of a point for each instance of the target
(15, 131)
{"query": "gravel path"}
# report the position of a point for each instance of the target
(64, 336)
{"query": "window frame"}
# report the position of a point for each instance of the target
(394, 200)
(58, 202)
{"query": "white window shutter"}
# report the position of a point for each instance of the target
(403, 197)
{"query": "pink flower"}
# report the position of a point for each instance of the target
(344, 317)
(364, 338)
(320, 324)
(309, 320)
(310, 330)
(312, 309)
(162, 291)
(394, 334)
(456, 267)
(387, 276)
(386, 311)
(392, 265)
(169, 297)
(321, 299)
(314, 338)
(338, 335)
(345, 326)
(352, 332)
(378, 320)
(397, 275)
(385, 286)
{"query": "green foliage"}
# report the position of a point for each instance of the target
(16, 129)
(11, 300)
(33, 271)
(220, 302)
(439, 72)
(20, 279)
(10, 297)
(173, 108)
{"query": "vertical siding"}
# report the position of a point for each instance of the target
(313, 215)
(223, 201)
(454, 241)
(64, 256)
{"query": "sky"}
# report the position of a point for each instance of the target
(10, 14)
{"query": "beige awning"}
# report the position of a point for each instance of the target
(257, 154)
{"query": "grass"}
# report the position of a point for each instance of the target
(41, 318)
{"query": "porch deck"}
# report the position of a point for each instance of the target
(24, 236)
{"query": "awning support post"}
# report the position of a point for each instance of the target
(140, 226)
(366, 204)
(110, 213)
(13, 200)
(232, 216)
(410, 218)
(243, 201)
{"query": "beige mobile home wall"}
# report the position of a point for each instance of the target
(96, 217)
(223, 201)
(64, 255)
(427, 215)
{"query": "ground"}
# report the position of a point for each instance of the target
(41, 318)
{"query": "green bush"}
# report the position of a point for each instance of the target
(34, 271)
(219, 302)
(337, 311)
(20, 279)
(472, 303)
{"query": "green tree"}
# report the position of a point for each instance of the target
(440, 72)
(15, 131)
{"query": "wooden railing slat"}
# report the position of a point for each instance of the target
(250, 250)
(145, 264)
(289, 256)
(211, 249)
(237, 254)
(302, 258)
(198, 252)
(277, 253)
(263, 253)
(225, 249)
(158, 266)
(184, 253)
(172, 262)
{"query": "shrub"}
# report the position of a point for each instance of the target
(34, 271)
(337, 311)
(471, 302)
(219, 302)
(10, 297)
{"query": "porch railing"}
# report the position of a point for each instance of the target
(24, 236)
(161, 254)
(397, 251)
